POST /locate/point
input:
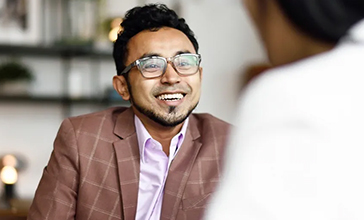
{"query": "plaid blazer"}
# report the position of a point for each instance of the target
(93, 172)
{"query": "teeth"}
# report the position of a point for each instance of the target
(167, 97)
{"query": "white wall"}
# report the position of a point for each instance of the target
(227, 43)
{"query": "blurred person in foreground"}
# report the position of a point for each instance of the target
(154, 160)
(298, 149)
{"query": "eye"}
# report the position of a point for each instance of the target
(152, 65)
(185, 62)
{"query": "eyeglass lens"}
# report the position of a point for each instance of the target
(186, 64)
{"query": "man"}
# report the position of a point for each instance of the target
(298, 150)
(154, 160)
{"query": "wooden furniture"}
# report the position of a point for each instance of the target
(18, 211)
(13, 215)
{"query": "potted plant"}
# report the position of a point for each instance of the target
(15, 78)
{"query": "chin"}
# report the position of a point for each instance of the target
(171, 118)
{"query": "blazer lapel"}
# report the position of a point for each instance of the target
(180, 170)
(128, 162)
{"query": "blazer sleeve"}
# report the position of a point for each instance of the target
(55, 197)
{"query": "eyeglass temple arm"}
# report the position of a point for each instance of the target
(127, 69)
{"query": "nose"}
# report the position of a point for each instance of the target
(170, 76)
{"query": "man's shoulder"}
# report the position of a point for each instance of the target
(208, 118)
(106, 116)
(207, 121)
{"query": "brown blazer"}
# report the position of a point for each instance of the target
(93, 172)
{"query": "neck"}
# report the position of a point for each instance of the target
(160, 133)
(314, 47)
(306, 46)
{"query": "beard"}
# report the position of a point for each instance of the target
(172, 119)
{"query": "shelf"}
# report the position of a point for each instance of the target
(61, 100)
(54, 51)
(65, 53)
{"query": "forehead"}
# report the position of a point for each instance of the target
(165, 42)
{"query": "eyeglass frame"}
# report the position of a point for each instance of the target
(167, 60)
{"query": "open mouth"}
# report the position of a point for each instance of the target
(171, 97)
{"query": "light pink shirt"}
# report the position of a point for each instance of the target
(154, 165)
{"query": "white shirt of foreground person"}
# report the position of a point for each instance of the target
(298, 150)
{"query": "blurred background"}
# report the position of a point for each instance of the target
(55, 62)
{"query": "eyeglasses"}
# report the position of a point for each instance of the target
(155, 66)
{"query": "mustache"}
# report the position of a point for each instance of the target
(171, 88)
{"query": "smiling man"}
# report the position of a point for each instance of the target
(154, 160)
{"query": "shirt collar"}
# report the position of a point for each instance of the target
(144, 136)
(356, 32)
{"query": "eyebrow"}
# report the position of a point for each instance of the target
(159, 55)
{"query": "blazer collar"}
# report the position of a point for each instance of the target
(180, 170)
(128, 162)
(192, 129)
(124, 126)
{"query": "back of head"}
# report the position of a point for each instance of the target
(326, 20)
(149, 17)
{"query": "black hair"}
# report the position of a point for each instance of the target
(149, 17)
(326, 20)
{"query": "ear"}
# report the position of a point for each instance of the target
(120, 85)
(201, 71)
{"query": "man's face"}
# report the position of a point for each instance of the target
(170, 98)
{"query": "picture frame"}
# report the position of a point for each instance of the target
(20, 22)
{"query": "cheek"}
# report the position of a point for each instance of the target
(140, 86)
(195, 83)
(143, 89)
